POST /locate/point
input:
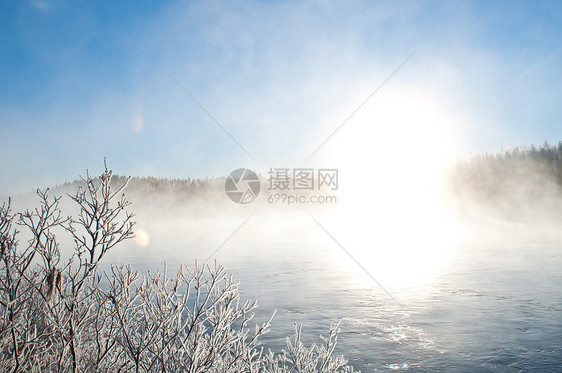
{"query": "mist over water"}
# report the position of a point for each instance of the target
(422, 277)
(471, 291)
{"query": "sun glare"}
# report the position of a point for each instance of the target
(391, 217)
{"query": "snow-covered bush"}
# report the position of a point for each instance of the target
(58, 315)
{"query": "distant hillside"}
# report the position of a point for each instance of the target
(516, 179)
(513, 180)
(144, 186)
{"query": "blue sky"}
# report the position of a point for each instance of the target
(77, 82)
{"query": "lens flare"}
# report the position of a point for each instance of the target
(142, 239)
(137, 123)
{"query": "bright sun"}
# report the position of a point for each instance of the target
(390, 215)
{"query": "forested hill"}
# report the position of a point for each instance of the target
(519, 177)
(149, 185)
(514, 178)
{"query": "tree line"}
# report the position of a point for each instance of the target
(522, 175)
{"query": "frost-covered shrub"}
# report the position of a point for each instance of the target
(69, 316)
